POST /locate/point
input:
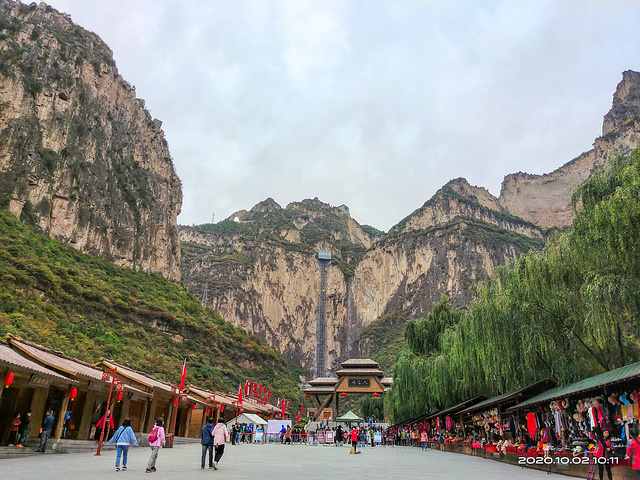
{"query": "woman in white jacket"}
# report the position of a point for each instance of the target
(220, 437)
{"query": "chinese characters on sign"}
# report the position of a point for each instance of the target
(259, 392)
(359, 382)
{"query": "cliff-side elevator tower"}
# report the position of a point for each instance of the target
(324, 259)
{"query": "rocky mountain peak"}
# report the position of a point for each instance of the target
(80, 156)
(626, 102)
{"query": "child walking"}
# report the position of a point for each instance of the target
(123, 437)
(156, 439)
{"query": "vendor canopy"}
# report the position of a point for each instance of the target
(349, 417)
(456, 408)
(526, 392)
(246, 418)
(618, 375)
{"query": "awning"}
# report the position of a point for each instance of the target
(456, 408)
(349, 417)
(618, 375)
(505, 397)
(12, 359)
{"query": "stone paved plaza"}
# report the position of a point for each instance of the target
(252, 462)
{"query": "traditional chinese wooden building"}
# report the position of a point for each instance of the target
(28, 386)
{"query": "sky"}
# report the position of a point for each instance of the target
(373, 104)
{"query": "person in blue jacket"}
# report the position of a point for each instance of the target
(207, 442)
(123, 437)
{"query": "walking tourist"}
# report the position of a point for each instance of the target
(283, 432)
(220, 437)
(354, 440)
(47, 425)
(123, 437)
(206, 441)
(424, 439)
(288, 435)
(156, 440)
(24, 430)
(339, 436)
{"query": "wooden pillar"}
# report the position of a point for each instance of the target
(87, 413)
(334, 405)
(60, 415)
(151, 420)
(187, 424)
(38, 403)
(124, 411)
(143, 417)
(3, 373)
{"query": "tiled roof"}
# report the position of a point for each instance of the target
(139, 377)
(618, 375)
(386, 381)
(513, 395)
(57, 360)
(360, 362)
(360, 371)
(324, 381)
(11, 358)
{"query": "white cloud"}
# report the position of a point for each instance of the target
(371, 103)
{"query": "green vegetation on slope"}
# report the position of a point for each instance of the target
(384, 339)
(567, 312)
(87, 307)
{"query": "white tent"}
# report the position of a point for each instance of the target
(247, 418)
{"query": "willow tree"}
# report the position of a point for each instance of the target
(566, 312)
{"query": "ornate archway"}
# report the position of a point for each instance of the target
(357, 375)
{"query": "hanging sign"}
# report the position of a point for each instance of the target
(37, 381)
(257, 391)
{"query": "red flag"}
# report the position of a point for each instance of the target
(283, 407)
(240, 395)
(298, 420)
(184, 375)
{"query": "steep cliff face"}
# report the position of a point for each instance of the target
(261, 272)
(80, 156)
(255, 277)
(545, 200)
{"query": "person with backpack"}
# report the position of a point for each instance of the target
(220, 436)
(123, 437)
(156, 439)
(207, 442)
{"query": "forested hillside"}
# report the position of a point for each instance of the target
(87, 307)
(567, 312)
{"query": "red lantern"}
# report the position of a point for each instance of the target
(208, 411)
(73, 393)
(193, 406)
(375, 394)
(308, 395)
(343, 394)
(175, 401)
(8, 379)
(221, 408)
(119, 396)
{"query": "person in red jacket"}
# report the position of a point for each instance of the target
(633, 452)
(354, 440)
(603, 450)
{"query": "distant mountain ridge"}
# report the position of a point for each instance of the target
(449, 245)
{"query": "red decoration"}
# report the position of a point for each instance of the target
(343, 394)
(308, 395)
(119, 396)
(221, 408)
(208, 411)
(73, 393)
(8, 379)
(375, 394)
(193, 406)
(175, 401)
